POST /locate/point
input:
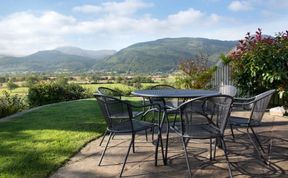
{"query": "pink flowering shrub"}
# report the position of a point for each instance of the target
(261, 63)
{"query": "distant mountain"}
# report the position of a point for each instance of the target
(96, 54)
(164, 54)
(49, 61)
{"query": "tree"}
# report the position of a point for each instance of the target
(195, 73)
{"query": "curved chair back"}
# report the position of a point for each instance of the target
(260, 104)
(117, 113)
(162, 87)
(228, 90)
(170, 102)
(109, 92)
(213, 110)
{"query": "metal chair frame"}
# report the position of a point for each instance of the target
(210, 115)
(258, 105)
(104, 102)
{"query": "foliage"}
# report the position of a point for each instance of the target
(37, 143)
(52, 92)
(225, 59)
(10, 104)
(261, 63)
(11, 85)
(195, 73)
(31, 80)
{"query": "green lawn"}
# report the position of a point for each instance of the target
(37, 143)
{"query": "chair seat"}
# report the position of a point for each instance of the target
(126, 115)
(242, 122)
(201, 131)
(125, 127)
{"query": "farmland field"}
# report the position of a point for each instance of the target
(91, 87)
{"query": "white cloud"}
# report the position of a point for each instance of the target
(185, 17)
(28, 32)
(240, 6)
(88, 9)
(24, 31)
(127, 7)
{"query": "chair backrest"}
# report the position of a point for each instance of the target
(109, 92)
(161, 101)
(228, 90)
(162, 87)
(117, 113)
(259, 105)
(213, 110)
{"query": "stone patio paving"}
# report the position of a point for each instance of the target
(243, 157)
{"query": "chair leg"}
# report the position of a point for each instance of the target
(186, 157)
(159, 139)
(103, 153)
(210, 149)
(113, 136)
(103, 137)
(153, 133)
(226, 156)
(257, 139)
(167, 141)
(215, 147)
(146, 136)
(133, 139)
(126, 157)
(260, 154)
(232, 132)
(269, 151)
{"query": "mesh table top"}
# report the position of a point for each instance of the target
(174, 93)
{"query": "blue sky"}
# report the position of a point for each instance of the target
(27, 26)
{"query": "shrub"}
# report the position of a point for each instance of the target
(11, 85)
(52, 92)
(10, 104)
(261, 63)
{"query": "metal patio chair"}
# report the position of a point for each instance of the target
(120, 118)
(257, 106)
(204, 118)
(228, 90)
(109, 92)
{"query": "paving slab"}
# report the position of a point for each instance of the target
(243, 157)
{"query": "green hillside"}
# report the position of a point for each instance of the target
(164, 54)
(47, 61)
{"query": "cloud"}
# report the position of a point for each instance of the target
(127, 7)
(240, 6)
(24, 31)
(88, 9)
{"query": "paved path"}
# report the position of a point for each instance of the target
(245, 162)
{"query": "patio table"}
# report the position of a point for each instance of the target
(170, 93)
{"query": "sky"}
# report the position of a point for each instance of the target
(27, 26)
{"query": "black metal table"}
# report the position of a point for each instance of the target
(174, 93)
(170, 93)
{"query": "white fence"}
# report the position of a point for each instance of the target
(222, 76)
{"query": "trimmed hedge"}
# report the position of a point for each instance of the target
(53, 92)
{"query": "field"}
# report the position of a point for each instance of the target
(23, 91)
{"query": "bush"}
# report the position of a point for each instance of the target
(52, 92)
(11, 85)
(10, 104)
(261, 63)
